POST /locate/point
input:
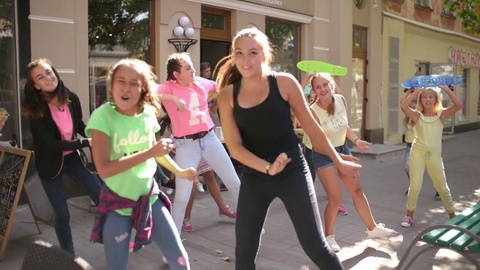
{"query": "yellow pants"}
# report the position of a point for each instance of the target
(433, 162)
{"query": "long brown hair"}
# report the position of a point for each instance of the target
(35, 102)
(329, 78)
(148, 82)
(227, 71)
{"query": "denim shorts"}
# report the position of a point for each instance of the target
(321, 161)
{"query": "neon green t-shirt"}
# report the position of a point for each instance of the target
(128, 135)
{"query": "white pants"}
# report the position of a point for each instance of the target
(188, 154)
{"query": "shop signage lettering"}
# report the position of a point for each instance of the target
(273, 2)
(464, 58)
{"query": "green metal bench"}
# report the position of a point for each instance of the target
(460, 234)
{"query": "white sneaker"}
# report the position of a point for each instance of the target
(380, 231)
(164, 260)
(169, 191)
(332, 243)
(200, 187)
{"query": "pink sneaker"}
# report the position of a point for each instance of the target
(342, 211)
(406, 222)
(227, 212)
(187, 226)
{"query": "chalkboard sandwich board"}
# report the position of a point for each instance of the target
(13, 167)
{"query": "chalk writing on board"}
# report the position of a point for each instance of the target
(11, 167)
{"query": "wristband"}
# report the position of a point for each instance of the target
(267, 168)
(354, 141)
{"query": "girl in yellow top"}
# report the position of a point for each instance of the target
(312, 99)
(331, 113)
(426, 151)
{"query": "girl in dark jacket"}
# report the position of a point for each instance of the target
(55, 116)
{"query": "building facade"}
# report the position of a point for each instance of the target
(380, 42)
(422, 38)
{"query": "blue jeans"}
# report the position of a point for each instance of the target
(91, 184)
(294, 187)
(188, 154)
(321, 161)
(117, 233)
(160, 175)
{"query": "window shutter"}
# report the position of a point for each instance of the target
(393, 82)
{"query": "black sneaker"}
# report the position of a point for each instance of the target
(437, 196)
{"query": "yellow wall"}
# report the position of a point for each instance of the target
(421, 44)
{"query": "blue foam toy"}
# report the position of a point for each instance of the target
(431, 81)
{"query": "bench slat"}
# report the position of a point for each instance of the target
(466, 242)
(452, 235)
(432, 236)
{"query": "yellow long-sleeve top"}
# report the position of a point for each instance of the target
(334, 126)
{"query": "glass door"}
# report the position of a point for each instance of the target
(445, 70)
(357, 117)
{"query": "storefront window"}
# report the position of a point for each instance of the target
(285, 40)
(213, 21)
(117, 29)
(8, 73)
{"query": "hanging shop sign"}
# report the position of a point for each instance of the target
(464, 58)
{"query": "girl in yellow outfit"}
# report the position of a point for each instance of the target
(426, 150)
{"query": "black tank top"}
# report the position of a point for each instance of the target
(266, 129)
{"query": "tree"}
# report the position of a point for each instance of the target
(122, 22)
(283, 41)
(468, 11)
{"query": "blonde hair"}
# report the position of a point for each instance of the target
(148, 81)
(228, 73)
(438, 102)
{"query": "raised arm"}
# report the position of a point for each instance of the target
(306, 80)
(409, 112)
(454, 107)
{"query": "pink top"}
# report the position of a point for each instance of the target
(195, 118)
(63, 119)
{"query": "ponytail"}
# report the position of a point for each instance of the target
(227, 72)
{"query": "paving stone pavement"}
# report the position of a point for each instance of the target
(212, 243)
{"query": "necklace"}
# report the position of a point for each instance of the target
(59, 108)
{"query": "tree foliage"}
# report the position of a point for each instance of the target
(120, 22)
(468, 11)
(283, 42)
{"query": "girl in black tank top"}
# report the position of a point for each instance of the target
(266, 129)
(255, 115)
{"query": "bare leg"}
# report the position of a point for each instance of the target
(359, 199)
(213, 188)
(329, 179)
(188, 210)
